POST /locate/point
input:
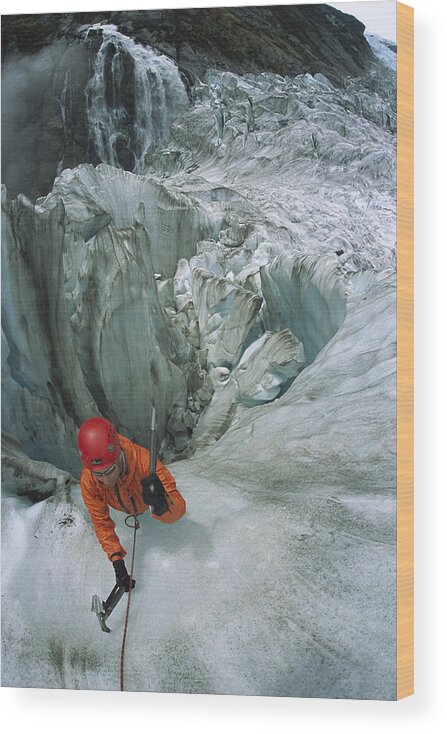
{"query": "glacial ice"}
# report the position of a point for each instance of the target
(267, 342)
(94, 197)
(226, 314)
(384, 50)
(268, 365)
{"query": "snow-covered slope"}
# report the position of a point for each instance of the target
(245, 282)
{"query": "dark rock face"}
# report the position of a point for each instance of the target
(43, 116)
(47, 63)
(288, 39)
(283, 39)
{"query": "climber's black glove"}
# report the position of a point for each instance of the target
(154, 494)
(122, 577)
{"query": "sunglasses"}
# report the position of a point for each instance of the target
(106, 472)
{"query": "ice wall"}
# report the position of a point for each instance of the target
(84, 330)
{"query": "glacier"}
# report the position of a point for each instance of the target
(385, 50)
(242, 276)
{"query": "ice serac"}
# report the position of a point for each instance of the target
(266, 368)
(69, 311)
(386, 51)
(49, 399)
(226, 313)
(36, 480)
(131, 354)
(93, 197)
(306, 294)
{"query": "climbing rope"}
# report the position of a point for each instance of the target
(135, 527)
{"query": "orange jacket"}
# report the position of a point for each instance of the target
(126, 496)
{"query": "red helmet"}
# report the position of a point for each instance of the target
(98, 443)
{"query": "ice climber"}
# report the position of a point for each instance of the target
(116, 474)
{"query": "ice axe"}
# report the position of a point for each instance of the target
(103, 609)
(153, 446)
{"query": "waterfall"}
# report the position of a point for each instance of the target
(66, 108)
(133, 97)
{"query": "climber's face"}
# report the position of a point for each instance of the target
(111, 475)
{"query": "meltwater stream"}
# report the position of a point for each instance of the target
(132, 98)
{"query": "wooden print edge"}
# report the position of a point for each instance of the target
(405, 350)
